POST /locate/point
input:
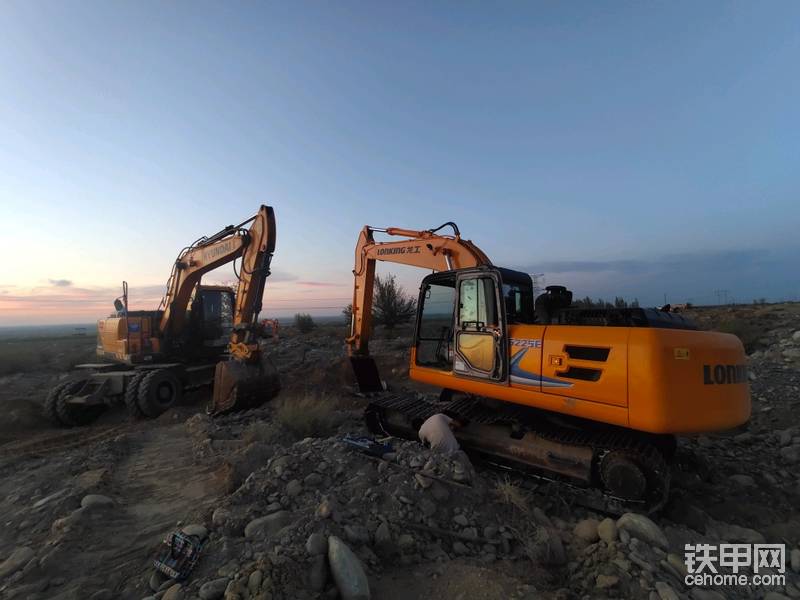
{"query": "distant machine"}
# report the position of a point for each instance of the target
(201, 334)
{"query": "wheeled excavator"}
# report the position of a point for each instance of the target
(200, 334)
(592, 397)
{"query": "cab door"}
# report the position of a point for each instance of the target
(480, 340)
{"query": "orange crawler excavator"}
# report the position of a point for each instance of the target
(593, 397)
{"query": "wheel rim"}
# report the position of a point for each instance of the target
(165, 393)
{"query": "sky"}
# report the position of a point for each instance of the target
(620, 148)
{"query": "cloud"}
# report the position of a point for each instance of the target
(690, 260)
(67, 303)
(278, 275)
(320, 284)
(692, 276)
(60, 282)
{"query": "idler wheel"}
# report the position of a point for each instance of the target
(622, 477)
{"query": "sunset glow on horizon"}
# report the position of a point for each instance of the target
(615, 150)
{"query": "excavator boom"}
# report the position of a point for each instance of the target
(254, 246)
(426, 249)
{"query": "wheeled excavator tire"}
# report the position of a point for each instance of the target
(158, 391)
(131, 396)
(50, 403)
(70, 415)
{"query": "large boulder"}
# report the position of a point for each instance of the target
(640, 527)
(175, 592)
(607, 530)
(94, 501)
(316, 544)
(268, 526)
(347, 571)
(18, 559)
(214, 589)
(197, 530)
(587, 530)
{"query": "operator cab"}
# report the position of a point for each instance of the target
(210, 319)
(462, 318)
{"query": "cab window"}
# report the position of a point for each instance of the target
(435, 329)
(518, 300)
(477, 303)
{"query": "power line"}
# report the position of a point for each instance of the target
(721, 294)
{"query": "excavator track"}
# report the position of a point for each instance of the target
(610, 470)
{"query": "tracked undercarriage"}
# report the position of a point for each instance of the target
(611, 470)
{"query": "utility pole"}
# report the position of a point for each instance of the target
(720, 295)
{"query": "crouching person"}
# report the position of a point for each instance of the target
(437, 434)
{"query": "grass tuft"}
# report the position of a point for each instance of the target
(747, 330)
(309, 416)
(512, 494)
(260, 431)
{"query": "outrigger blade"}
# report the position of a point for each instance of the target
(239, 385)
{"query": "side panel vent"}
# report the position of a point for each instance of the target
(587, 353)
(581, 373)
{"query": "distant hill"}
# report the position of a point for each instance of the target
(37, 331)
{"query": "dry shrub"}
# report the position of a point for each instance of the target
(309, 416)
(260, 431)
(511, 494)
(747, 330)
(304, 322)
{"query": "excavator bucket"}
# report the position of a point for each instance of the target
(366, 372)
(239, 385)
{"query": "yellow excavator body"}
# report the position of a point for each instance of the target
(592, 395)
(647, 379)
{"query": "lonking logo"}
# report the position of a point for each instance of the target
(723, 374)
(400, 250)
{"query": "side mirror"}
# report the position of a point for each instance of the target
(118, 305)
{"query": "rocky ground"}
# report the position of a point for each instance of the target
(290, 511)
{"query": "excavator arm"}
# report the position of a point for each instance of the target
(426, 249)
(247, 377)
(254, 246)
(187, 272)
